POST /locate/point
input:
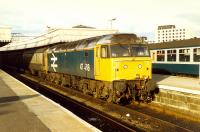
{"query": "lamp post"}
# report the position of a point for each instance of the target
(111, 20)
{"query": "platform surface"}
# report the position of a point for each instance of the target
(22, 110)
(178, 83)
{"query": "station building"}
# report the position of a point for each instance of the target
(167, 33)
(5, 35)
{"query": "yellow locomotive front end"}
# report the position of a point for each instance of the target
(133, 62)
(124, 64)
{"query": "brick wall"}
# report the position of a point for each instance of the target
(184, 104)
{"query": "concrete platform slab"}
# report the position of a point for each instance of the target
(177, 83)
(179, 94)
(23, 109)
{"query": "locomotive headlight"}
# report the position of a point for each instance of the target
(125, 67)
(139, 66)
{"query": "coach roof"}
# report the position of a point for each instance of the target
(176, 44)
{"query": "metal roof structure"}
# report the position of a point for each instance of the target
(57, 35)
(176, 44)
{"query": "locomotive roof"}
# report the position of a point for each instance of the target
(91, 42)
(176, 44)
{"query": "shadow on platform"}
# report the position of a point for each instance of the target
(159, 77)
(15, 98)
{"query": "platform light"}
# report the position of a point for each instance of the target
(111, 21)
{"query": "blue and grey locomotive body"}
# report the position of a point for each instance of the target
(78, 63)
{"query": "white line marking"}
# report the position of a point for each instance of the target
(179, 89)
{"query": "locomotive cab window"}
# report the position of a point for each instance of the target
(140, 51)
(120, 50)
(104, 51)
(126, 50)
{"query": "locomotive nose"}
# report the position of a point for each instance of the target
(131, 70)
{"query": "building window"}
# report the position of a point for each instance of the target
(184, 55)
(183, 29)
(196, 55)
(171, 55)
(160, 55)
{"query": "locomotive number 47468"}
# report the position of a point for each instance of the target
(85, 66)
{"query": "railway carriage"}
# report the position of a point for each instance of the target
(114, 67)
(177, 57)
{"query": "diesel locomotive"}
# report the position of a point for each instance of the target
(114, 67)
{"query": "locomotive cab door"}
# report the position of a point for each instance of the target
(102, 63)
(97, 61)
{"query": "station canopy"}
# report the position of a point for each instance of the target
(57, 35)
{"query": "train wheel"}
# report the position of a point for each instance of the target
(110, 96)
(85, 89)
(95, 93)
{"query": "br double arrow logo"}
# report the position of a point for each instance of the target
(53, 65)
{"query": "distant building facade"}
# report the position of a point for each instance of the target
(5, 34)
(167, 33)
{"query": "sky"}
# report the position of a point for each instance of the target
(133, 16)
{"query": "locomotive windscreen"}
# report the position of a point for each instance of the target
(128, 50)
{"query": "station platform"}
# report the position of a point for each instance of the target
(179, 95)
(23, 109)
(177, 83)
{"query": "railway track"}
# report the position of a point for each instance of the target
(105, 116)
